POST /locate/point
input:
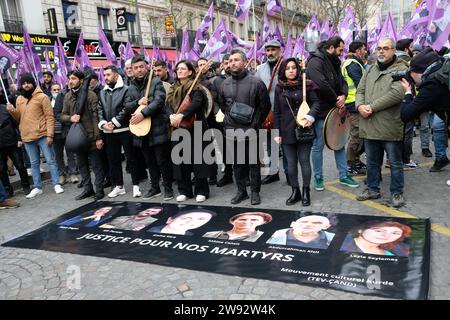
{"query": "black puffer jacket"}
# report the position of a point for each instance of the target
(111, 106)
(159, 132)
(327, 75)
(248, 89)
(9, 133)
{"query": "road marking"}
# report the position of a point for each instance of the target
(391, 211)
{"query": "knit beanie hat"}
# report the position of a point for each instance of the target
(27, 77)
(421, 61)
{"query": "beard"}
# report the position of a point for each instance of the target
(28, 93)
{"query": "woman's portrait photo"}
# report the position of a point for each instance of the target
(378, 237)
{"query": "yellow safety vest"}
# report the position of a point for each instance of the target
(351, 96)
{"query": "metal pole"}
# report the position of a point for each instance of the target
(140, 42)
(254, 32)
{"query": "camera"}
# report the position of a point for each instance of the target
(404, 74)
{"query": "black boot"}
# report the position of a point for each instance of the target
(295, 197)
(306, 200)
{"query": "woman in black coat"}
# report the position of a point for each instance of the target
(182, 171)
(288, 97)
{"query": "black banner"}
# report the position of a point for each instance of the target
(369, 255)
(121, 19)
(52, 21)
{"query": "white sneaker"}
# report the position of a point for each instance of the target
(29, 172)
(34, 193)
(448, 183)
(200, 198)
(136, 192)
(181, 198)
(117, 191)
(58, 189)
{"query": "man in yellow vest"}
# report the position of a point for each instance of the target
(352, 70)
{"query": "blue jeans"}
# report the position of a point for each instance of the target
(425, 130)
(317, 153)
(439, 136)
(34, 154)
(375, 153)
(3, 194)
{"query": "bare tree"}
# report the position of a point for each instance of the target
(362, 9)
(365, 9)
(335, 9)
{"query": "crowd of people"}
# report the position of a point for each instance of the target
(384, 94)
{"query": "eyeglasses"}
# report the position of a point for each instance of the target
(384, 48)
(181, 68)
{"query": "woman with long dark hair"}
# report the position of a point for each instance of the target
(288, 97)
(198, 103)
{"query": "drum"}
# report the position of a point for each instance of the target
(336, 129)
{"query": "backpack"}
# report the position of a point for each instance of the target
(441, 74)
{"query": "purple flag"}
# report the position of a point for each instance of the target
(422, 15)
(81, 58)
(266, 29)
(105, 48)
(101, 76)
(348, 26)
(48, 65)
(156, 55)
(242, 9)
(273, 6)
(311, 34)
(238, 42)
(325, 30)
(185, 46)
(299, 50)
(218, 43)
(439, 25)
(203, 29)
(207, 19)
(23, 65)
(277, 35)
(193, 55)
(61, 63)
(389, 30)
(30, 55)
(8, 56)
(288, 49)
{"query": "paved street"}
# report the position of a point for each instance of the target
(33, 274)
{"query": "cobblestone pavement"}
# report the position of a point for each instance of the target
(35, 274)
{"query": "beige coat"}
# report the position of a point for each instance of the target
(35, 116)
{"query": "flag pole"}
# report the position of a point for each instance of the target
(254, 32)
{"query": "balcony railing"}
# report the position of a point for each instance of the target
(13, 24)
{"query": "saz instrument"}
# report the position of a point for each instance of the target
(188, 123)
(143, 128)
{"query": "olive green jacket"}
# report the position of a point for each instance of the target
(377, 89)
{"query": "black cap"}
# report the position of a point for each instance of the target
(27, 77)
(421, 61)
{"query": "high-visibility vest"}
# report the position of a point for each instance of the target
(351, 96)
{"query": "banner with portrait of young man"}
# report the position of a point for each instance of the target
(371, 255)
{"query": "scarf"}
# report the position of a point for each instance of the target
(177, 93)
(385, 66)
